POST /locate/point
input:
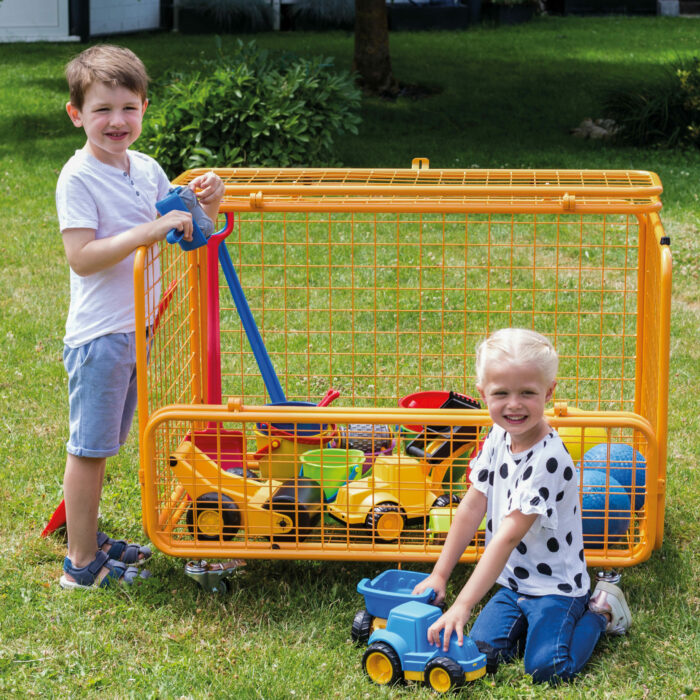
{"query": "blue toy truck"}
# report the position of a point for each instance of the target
(383, 593)
(401, 652)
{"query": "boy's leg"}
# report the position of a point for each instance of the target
(82, 488)
(562, 634)
(499, 629)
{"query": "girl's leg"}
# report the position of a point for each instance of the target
(562, 634)
(499, 629)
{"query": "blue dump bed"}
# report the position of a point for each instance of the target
(391, 588)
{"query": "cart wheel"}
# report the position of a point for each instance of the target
(207, 522)
(239, 471)
(297, 508)
(443, 674)
(387, 521)
(382, 664)
(362, 627)
(445, 500)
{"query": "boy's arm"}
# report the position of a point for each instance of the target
(210, 191)
(511, 531)
(468, 517)
(88, 255)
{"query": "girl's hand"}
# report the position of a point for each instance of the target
(437, 583)
(454, 620)
(210, 186)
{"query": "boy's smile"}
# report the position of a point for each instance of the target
(516, 395)
(112, 119)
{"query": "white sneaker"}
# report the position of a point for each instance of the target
(609, 600)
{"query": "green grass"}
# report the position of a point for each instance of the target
(508, 98)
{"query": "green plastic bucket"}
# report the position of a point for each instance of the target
(332, 467)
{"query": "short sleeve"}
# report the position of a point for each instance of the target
(75, 206)
(481, 467)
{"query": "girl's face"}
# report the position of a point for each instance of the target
(516, 395)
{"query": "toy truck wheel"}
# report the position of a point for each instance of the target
(207, 522)
(445, 500)
(362, 627)
(387, 521)
(443, 674)
(297, 509)
(382, 664)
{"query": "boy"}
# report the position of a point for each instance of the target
(105, 198)
(524, 479)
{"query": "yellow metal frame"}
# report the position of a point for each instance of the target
(380, 283)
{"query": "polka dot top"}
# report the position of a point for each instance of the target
(542, 480)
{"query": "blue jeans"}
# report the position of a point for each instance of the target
(559, 633)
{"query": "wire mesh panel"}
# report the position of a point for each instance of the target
(380, 284)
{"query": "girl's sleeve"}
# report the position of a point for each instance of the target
(481, 467)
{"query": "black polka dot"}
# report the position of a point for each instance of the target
(503, 471)
(553, 544)
(489, 525)
(560, 495)
(508, 494)
(483, 475)
(544, 569)
(513, 584)
(569, 538)
(549, 512)
(575, 509)
(563, 444)
(565, 587)
(517, 481)
(580, 555)
(517, 461)
(529, 455)
(527, 473)
(577, 580)
(544, 444)
(552, 465)
(521, 547)
(568, 473)
(534, 500)
(544, 492)
(491, 478)
(550, 435)
(521, 573)
(510, 503)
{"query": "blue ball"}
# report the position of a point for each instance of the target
(597, 495)
(627, 467)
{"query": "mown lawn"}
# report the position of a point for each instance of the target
(504, 98)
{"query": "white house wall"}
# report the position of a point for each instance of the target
(117, 16)
(34, 20)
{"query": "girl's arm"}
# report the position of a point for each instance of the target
(511, 531)
(468, 517)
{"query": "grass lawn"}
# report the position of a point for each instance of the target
(506, 98)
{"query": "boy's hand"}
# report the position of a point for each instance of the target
(174, 219)
(454, 620)
(437, 583)
(210, 186)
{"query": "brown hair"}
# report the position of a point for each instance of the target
(112, 65)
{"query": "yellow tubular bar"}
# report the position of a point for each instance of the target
(380, 283)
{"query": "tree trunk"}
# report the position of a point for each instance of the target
(372, 61)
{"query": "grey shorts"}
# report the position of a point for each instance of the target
(101, 394)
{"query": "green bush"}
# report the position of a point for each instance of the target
(250, 109)
(665, 111)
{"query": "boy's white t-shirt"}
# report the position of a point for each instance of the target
(91, 194)
(550, 558)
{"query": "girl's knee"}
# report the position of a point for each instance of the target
(548, 670)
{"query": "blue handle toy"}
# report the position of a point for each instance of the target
(184, 199)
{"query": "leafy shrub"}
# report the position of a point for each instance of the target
(665, 111)
(250, 109)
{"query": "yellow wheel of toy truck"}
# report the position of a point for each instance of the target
(207, 521)
(382, 664)
(387, 521)
(361, 627)
(443, 674)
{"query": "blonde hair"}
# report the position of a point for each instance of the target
(519, 346)
(115, 66)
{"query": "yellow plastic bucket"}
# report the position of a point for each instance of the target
(279, 451)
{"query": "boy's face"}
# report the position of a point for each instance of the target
(516, 395)
(112, 119)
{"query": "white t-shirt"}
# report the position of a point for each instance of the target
(91, 194)
(549, 559)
